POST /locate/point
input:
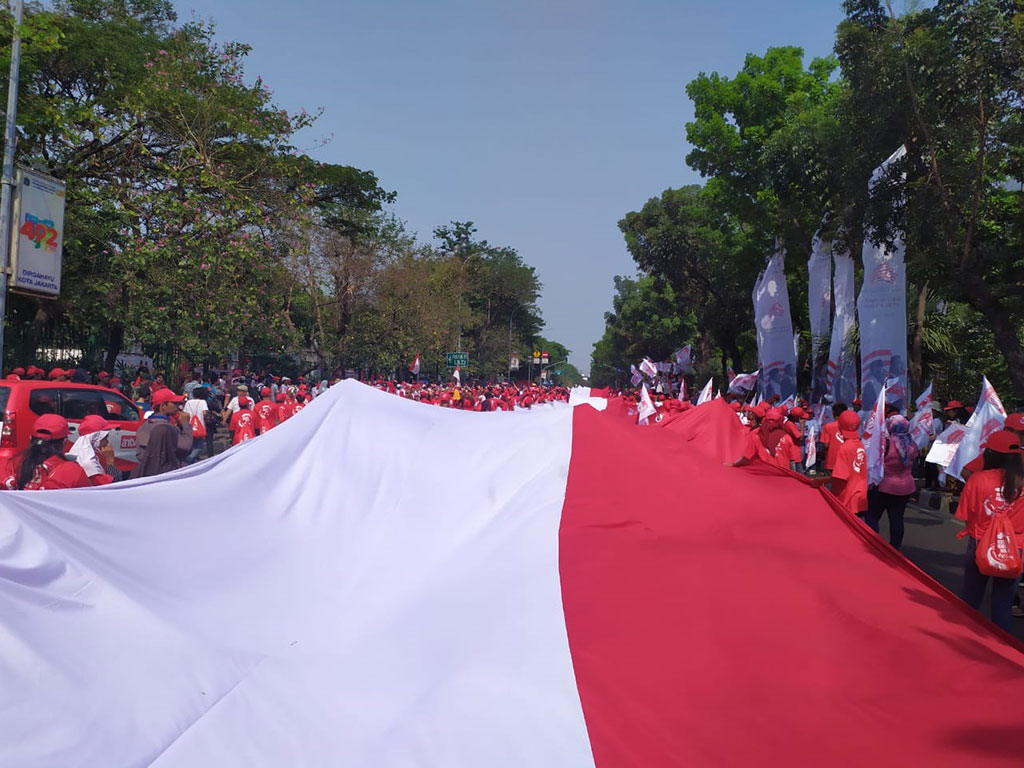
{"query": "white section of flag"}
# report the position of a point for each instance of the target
(249, 612)
(646, 408)
(705, 394)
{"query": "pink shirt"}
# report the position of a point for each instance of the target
(897, 478)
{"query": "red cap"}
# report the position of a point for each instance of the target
(12, 377)
(19, 371)
(952, 405)
(849, 424)
(1015, 421)
(856, 402)
(244, 402)
(93, 423)
(265, 391)
(165, 395)
(103, 375)
(56, 372)
(1004, 441)
(281, 397)
(50, 426)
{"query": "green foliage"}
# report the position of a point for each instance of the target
(783, 145)
(647, 318)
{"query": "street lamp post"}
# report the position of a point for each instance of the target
(7, 180)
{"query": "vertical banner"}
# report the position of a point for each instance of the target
(819, 299)
(882, 312)
(776, 360)
(37, 233)
(842, 366)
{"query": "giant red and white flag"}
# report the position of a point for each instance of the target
(367, 603)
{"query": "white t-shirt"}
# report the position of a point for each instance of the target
(195, 407)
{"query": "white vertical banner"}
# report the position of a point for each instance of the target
(776, 360)
(842, 365)
(819, 300)
(882, 312)
(37, 233)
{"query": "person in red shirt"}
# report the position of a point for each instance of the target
(996, 488)
(849, 481)
(285, 407)
(243, 422)
(266, 412)
(831, 438)
(42, 465)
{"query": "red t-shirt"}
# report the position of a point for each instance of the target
(285, 411)
(982, 498)
(266, 411)
(243, 426)
(851, 468)
(833, 438)
(53, 473)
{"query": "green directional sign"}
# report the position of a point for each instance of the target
(460, 359)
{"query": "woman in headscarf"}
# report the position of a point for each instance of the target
(93, 452)
(897, 485)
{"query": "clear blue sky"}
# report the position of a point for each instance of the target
(542, 121)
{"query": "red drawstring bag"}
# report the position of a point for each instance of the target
(198, 427)
(998, 553)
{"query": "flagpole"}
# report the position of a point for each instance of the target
(7, 180)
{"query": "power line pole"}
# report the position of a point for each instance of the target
(7, 180)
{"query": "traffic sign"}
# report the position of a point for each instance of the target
(460, 359)
(513, 363)
(544, 358)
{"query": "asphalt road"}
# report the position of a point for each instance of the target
(930, 543)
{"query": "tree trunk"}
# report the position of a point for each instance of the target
(917, 345)
(115, 342)
(979, 295)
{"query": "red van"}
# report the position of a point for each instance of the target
(21, 402)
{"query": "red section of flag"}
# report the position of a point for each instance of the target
(738, 617)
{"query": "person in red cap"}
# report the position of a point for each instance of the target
(769, 442)
(849, 481)
(243, 422)
(266, 412)
(19, 372)
(997, 488)
(831, 438)
(59, 374)
(42, 465)
(165, 439)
